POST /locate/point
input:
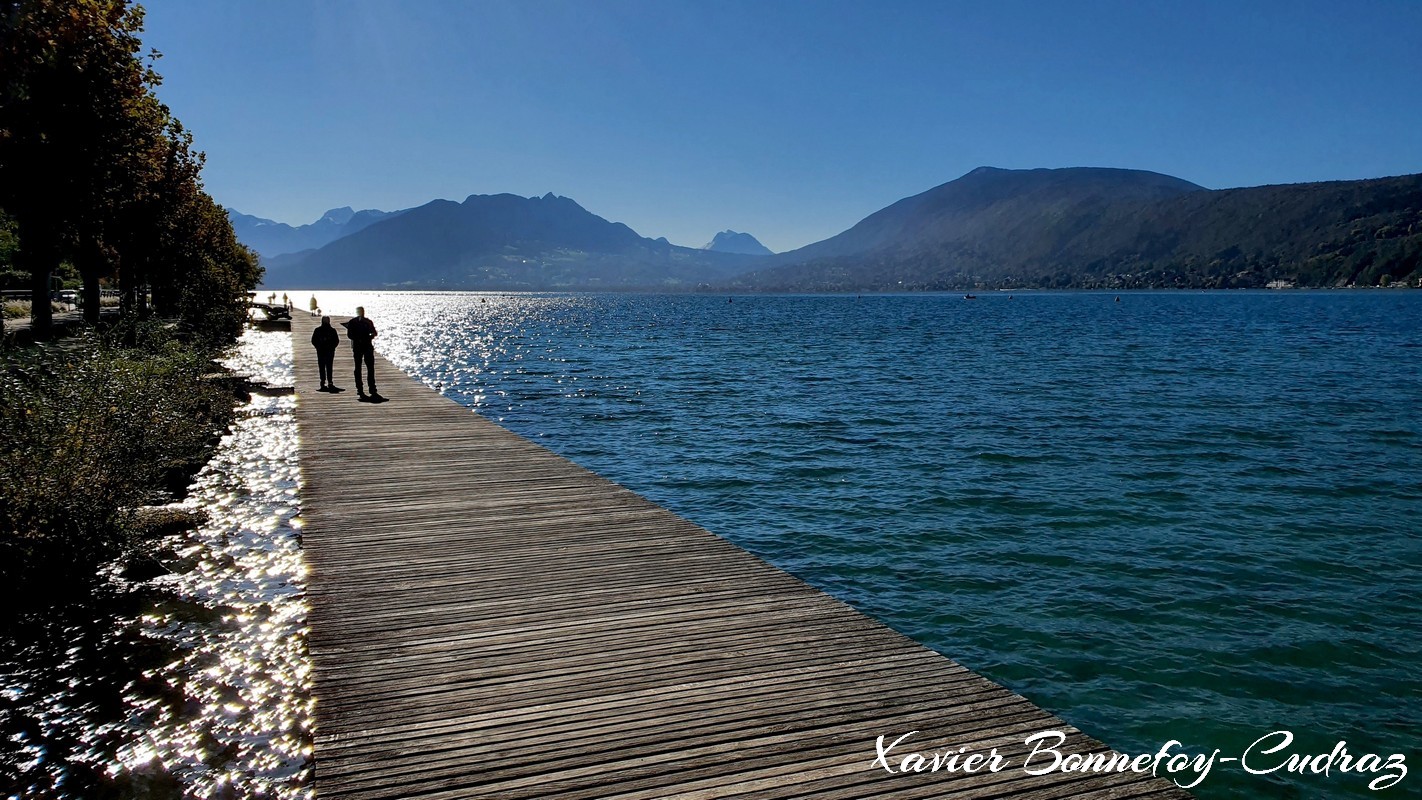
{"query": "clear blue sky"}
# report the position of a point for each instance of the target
(790, 120)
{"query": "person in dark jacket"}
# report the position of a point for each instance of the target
(361, 331)
(325, 340)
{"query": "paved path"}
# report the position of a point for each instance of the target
(63, 322)
(489, 620)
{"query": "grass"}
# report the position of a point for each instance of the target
(20, 309)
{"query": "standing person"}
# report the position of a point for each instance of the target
(325, 340)
(361, 331)
(314, 307)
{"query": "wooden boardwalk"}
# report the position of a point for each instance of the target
(489, 620)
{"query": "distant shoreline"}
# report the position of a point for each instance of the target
(848, 293)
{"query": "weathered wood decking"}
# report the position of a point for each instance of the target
(489, 620)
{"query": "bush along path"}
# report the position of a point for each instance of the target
(167, 657)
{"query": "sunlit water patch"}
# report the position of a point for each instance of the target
(238, 613)
(193, 684)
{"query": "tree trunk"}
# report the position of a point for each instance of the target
(41, 315)
(92, 297)
(140, 297)
(164, 301)
(131, 283)
(93, 265)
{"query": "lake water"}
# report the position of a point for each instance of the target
(1177, 516)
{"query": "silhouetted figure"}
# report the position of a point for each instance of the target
(325, 340)
(315, 308)
(361, 331)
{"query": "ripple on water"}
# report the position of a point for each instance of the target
(244, 669)
(1183, 516)
(241, 668)
(195, 684)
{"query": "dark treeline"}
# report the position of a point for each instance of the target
(101, 184)
(100, 187)
(98, 177)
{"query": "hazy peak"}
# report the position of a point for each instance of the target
(270, 238)
(729, 241)
(338, 216)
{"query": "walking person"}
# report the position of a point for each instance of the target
(326, 340)
(361, 331)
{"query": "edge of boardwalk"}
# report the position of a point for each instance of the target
(490, 620)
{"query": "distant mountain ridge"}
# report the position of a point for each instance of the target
(996, 206)
(729, 241)
(1077, 227)
(270, 238)
(503, 242)
(1085, 227)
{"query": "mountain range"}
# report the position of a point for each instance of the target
(270, 238)
(506, 242)
(991, 228)
(1096, 227)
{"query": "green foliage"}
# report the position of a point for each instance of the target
(12, 275)
(71, 76)
(213, 303)
(91, 438)
(9, 241)
(15, 309)
(211, 271)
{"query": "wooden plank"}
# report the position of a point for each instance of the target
(489, 620)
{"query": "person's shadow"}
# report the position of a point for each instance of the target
(374, 398)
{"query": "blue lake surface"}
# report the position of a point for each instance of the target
(1192, 516)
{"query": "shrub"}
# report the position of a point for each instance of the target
(91, 437)
(20, 309)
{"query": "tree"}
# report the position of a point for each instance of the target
(95, 169)
(69, 77)
(178, 241)
(9, 247)
(164, 178)
(204, 278)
